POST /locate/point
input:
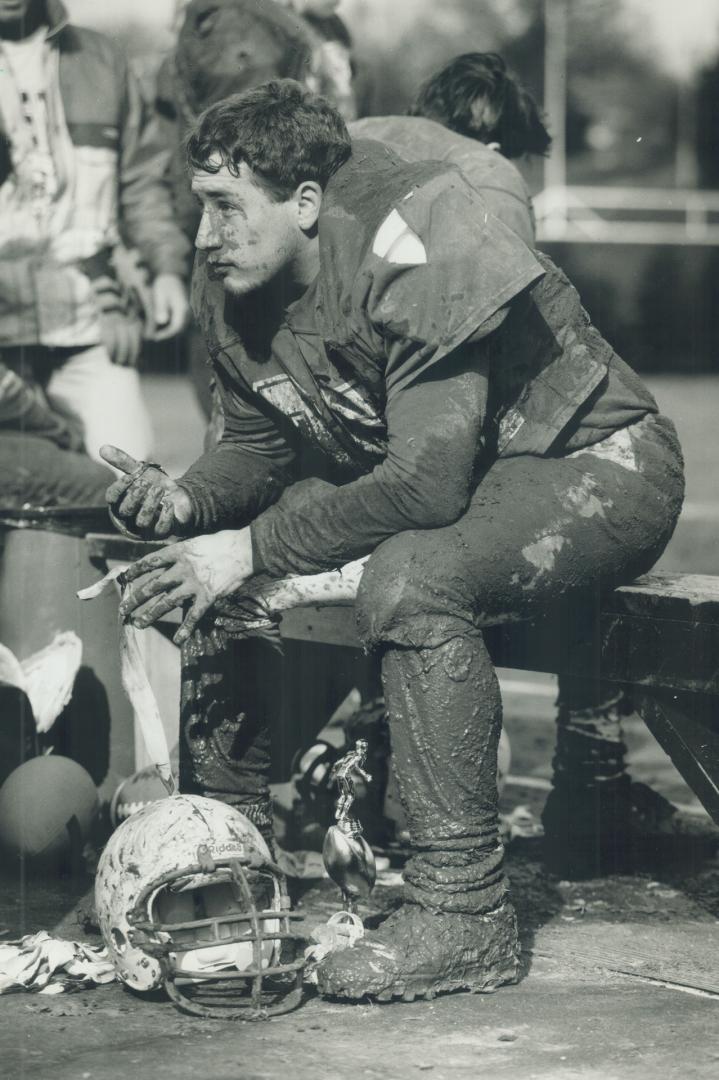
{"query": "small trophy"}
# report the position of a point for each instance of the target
(348, 860)
(347, 856)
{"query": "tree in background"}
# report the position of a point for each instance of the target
(621, 115)
(399, 44)
(707, 124)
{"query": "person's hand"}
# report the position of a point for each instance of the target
(70, 433)
(192, 573)
(144, 500)
(121, 334)
(118, 313)
(170, 307)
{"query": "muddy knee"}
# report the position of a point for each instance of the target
(409, 593)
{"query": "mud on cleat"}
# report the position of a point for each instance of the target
(415, 954)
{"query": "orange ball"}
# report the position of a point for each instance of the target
(47, 807)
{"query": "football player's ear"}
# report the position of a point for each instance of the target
(308, 198)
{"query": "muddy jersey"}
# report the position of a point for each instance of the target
(530, 401)
(306, 386)
(310, 393)
(411, 267)
(498, 181)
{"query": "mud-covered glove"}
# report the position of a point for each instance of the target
(192, 574)
(145, 502)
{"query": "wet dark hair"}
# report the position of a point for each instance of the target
(504, 112)
(284, 133)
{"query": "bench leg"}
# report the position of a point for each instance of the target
(590, 746)
(585, 812)
(686, 726)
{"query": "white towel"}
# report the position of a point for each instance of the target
(49, 965)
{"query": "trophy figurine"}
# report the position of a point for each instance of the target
(347, 856)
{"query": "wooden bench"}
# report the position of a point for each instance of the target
(657, 639)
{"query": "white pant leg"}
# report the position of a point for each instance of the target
(106, 398)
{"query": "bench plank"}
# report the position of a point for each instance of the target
(324, 625)
(642, 650)
(688, 597)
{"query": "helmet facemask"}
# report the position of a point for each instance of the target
(220, 931)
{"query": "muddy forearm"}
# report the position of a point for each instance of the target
(425, 482)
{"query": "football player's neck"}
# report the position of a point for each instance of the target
(306, 264)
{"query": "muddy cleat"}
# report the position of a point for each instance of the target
(417, 954)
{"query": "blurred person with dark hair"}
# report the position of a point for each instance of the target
(77, 174)
(474, 114)
(402, 378)
(476, 96)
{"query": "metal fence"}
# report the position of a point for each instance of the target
(627, 215)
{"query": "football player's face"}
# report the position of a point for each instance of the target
(248, 238)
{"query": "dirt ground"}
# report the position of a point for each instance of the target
(619, 977)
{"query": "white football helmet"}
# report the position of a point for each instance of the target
(188, 899)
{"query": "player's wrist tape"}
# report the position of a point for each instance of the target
(142, 468)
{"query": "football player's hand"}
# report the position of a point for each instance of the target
(144, 501)
(192, 574)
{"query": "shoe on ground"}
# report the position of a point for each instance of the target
(417, 954)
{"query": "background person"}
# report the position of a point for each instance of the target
(77, 173)
(475, 114)
(42, 456)
(333, 65)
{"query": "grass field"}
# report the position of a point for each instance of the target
(692, 402)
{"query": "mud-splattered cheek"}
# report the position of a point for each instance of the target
(232, 243)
